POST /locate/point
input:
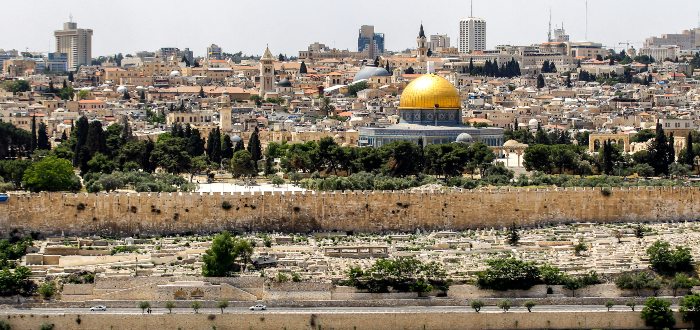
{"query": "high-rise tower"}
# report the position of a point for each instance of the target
(76, 43)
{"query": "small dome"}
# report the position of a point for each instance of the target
(236, 139)
(139, 87)
(284, 83)
(464, 138)
(371, 71)
(122, 89)
(533, 122)
(174, 73)
(511, 143)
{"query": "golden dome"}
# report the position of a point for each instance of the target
(429, 90)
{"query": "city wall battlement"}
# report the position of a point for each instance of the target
(118, 214)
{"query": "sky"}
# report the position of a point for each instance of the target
(128, 26)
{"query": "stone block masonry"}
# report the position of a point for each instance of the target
(181, 213)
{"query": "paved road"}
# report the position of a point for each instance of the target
(322, 310)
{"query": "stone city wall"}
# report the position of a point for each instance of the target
(339, 321)
(161, 214)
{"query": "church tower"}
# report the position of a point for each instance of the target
(267, 73)
(422, 45)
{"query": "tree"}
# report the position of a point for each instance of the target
(508, 274)
(242, 164)
(196, 306)
(540, 81)
(666, 261)
(169, 306)
(51, 174)
(679, 170)
(17, 86)
(402, 158)
(214, 146)
(239, 146)
(34, 139)
(504, 305)
(47, 290)
(144, 305)
(226, 147)
(126, 134)
(302, 68)
(201, 92)
(638, 281)
(255, 148)
(42, 138)
(689, 156)
(609, 304)
(690, 309)
(682, 281)
(529, 305)
(660, 152)
(477, 305)
(171, 155)
(657, 314)
(573, 283)
(513, 235)
(222, 305)
(631, 304)
(551, 275)
(220, 259)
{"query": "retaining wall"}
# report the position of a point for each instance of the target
(160, 214)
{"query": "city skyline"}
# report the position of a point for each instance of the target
(175, 27)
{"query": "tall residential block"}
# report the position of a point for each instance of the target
(472, 34)
(370, 42)
(75, 43)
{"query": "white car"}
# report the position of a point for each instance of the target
(99, 308)
(258, 308)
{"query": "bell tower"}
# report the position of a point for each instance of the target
(267, 73)
(422, 45)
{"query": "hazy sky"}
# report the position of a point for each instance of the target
(289, 26)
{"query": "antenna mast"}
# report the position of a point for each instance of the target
(549, 34)
(471, 12)
(586, 20)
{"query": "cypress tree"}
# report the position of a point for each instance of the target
(146, 163)
(689, 152)
(214, 146)
(201, 92)
(254, 147)
(302, 68)
(32, 144)
(126, 95)
(64, 137)
(80, 132)
(671, 149)
(471, 66)
(42, 139)
(96, 139)
(226, 147)
(195, 143)
(545, 66)
(540, 81)
(659, 153)
(239, 146)
(70, 76)
(126, 134)
(552, 67)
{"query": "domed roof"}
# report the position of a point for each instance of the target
(532, 122)
(284, 83)
(511, 143)
(371, 71)
(174, 73)
(464, 138)
(236, 139)
(121, 89)
(430, 90)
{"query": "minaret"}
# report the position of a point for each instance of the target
(267, 73)
(422, 45)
